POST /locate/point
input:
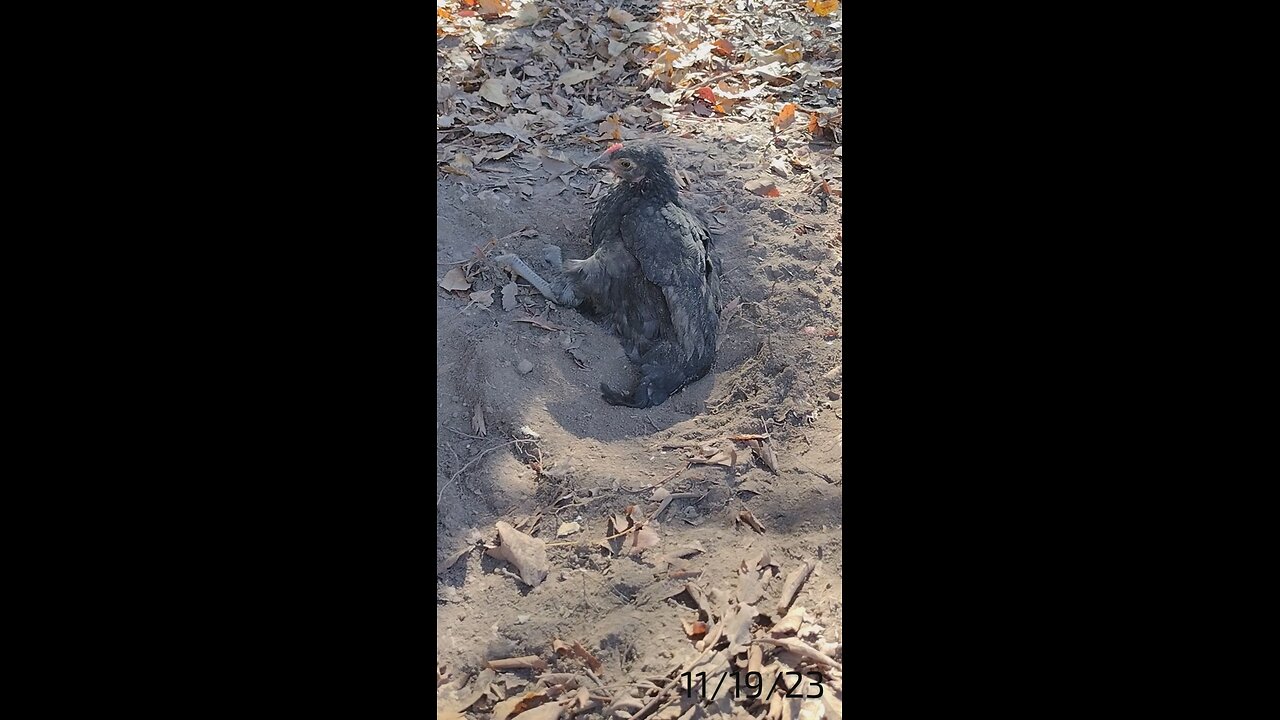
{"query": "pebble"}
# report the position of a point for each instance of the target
(525, 367)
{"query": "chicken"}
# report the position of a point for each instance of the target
(653, 279)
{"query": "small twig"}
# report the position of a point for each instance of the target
(477, 437)
(677, 472)
(440, 497)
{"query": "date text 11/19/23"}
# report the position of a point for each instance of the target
(754, 684)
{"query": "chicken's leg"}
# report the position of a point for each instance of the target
(521, 268)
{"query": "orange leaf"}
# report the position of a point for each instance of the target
(813, 123)
(722, 47)
(706, 94)
(785, 117)
(824, 7)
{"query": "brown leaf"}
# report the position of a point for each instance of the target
(644, 538)
(509, 296)
(587, 657)
(619, 16)
(520, 703)
(749, 518)
(785, 117)
(455, 279)
(823, 8)
(477, 421)
(527, 554)
(494, 7)
(765, 452)
(695, 630)
(722, 47)
(611, 128)
(763, 187)
(813, 123)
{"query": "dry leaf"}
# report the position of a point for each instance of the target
(587, 657)
(494, 91)
(477, 421)
(706, 94)
(790, 624)
(729, 459)
(695, 630)
(483, 299)
(644, 538)
(528, 554)
(785, 117)
(611, 128)
(823, 8)
(568, 528)
(723, 47)
(528, 15)
(622, 17)
(520, 703)
(763, 187)
(549, 711)
(509, 296)
(813, 123)
(577, 75)
(494, 7)
(455, 279)
(659, 494)
(749, 518)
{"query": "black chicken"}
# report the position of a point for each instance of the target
(653, 279)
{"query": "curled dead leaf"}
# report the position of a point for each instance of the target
(823, 8)
(785, 117)
(455, 279)
(749, 518)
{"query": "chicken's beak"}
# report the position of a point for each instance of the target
(601, 161)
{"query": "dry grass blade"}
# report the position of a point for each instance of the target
(540, 323)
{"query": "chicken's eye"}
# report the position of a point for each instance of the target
(626, 164)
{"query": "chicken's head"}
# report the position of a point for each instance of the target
(632, 163)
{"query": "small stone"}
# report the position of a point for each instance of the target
(833, 394)
(525, 367)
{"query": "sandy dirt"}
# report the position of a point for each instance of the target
(553, 452)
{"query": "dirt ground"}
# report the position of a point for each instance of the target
(538, 448)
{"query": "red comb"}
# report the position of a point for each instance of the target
(613, 148)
